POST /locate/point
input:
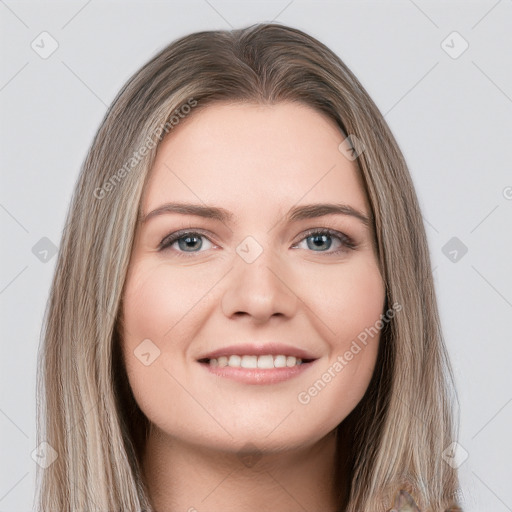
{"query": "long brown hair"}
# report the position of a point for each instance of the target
(394, 439)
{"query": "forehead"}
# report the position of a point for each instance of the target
(249, 158)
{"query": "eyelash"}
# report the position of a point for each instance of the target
(346, 242)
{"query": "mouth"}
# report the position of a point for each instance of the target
(261, 362)
(257, 364)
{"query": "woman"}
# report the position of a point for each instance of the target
(255, 371)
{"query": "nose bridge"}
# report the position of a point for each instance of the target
(257, 283)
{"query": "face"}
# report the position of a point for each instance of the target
(221, 304)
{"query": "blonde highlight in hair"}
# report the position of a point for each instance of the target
(393, 439)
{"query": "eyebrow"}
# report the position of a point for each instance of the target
(295, 214)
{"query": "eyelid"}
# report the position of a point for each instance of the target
(347, 242)
(169, 239)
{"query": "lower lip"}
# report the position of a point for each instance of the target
(258, 376)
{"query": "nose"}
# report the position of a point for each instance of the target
(260, 290)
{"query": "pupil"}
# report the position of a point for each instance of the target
(188, 242)
(319, 240)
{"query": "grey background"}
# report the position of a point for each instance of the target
(451, 116)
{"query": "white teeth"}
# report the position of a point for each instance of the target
(290, 361)
(234, 361)
(249, 362)
(265, 362)
(280, 361)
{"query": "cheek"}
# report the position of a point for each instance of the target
(357, 323)
(350, 308)
(161, 303)
(152, 313)
(346, 299)
(156, 300)
(361, 303)
(142, 305)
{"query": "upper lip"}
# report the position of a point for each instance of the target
(259, 349)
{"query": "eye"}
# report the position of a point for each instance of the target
(317, 240)
(322, 239)
(186, 241)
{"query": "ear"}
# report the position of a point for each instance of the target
(405, 503)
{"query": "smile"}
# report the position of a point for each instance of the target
(258, 363)
(263, 362)
(251, 369)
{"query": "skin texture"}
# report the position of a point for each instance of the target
(257, 162)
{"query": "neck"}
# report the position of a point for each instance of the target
(183, 477)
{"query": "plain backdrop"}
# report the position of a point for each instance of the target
(441, 74)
